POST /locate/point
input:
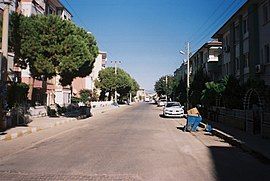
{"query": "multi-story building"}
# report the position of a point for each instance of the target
(88, 82)
(31, 7)
(181, 72)
(206, 58)
(46, 7)
(246, 42)
(55, 92)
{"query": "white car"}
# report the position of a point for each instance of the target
(173, 109)
(161, 102)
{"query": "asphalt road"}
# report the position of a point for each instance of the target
(133, 143)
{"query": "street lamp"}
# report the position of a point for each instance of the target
(187, 53)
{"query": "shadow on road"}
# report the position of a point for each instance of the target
(230, 164)
(181, 128)
(164, 117)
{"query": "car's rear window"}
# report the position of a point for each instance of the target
(173, 104)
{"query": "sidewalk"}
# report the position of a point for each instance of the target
(43, 123)
(253, 144)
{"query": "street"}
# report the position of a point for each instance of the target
(133, 143)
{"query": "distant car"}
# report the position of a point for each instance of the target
(152, 101)
(161, 102)
(147, 99)
(173, 109)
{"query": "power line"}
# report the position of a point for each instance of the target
(217, 20)
(75, 12)
(192, 36)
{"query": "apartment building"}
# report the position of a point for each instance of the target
(46, 7)
(246, 38)
(55, 92)
(207, 59)
(88, 82)
(181, 72)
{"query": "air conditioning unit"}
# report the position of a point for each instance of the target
(258, 69)
(227, 49)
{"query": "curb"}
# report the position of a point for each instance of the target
(13, 136)
(240, 144)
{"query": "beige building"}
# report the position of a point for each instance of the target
(55, 92)
(88, 82)
(207, 59)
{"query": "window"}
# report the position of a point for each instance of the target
(245, 26)
(267, 53)
(227, 68)
(236, 32)
(265, 14)
(227, 40)
(246, 60)
(237, 64)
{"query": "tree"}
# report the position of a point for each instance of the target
(180, 90)
(212, 93)
(233, 93)
(197, 86)
(108, 81)
(135, 87)
(165, 87)
(51, 46)
(17, 94)
(85, 95)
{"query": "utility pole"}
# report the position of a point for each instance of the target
(115, 72)
(3, 64)
(166, 81)
(187, 53)
(188, 50)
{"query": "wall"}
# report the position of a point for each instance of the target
(264, 30)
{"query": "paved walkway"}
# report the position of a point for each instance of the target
(43, 123)
(253, 142)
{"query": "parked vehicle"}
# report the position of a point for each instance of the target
(161, 102)
(173, 109)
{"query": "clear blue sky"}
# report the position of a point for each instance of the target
(146, 35)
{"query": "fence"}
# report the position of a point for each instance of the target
(250, 121)
(101, 104)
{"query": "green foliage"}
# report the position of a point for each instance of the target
(197, 86)
(212, 93)
(85, 95)
(163, 88)
(233, 94)
(135, 87)
(180, 90)
(17, 94)
(52, 46)
(75, 99)
(228, 90)
(108, 81)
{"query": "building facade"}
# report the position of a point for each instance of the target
(246, 38)
(207, 59)
(88, 82)
(55, 92)
(181, 72)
